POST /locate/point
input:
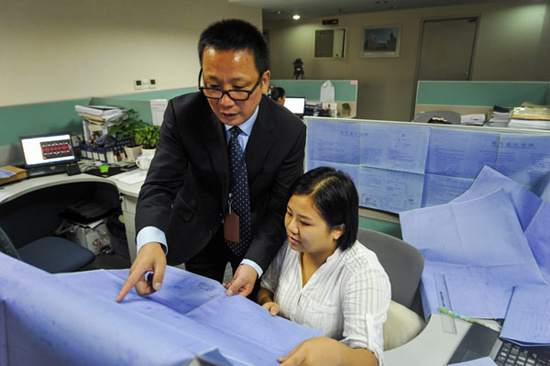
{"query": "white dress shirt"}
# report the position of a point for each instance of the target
(347, 297)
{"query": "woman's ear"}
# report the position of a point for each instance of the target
(338, 231)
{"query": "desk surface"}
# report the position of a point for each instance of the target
(433, 346)
(128, 183)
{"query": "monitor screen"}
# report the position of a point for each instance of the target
(296, 105)
(47, 149)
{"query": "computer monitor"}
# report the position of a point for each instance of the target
(296, 105)
(47, 149)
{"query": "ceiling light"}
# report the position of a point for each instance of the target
(295, 17)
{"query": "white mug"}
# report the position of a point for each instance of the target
(144, 161)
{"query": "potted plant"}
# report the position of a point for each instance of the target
(126, 127)
(148, 137)
(346, 110)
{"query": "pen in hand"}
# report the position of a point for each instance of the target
(461, 317)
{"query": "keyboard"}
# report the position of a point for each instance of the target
(511, 354)
(39, 171)
(480, 341)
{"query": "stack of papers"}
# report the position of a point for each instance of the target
(99, 113)
(500, 117)
(531, 116)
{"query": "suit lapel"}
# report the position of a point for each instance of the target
(260, 141)
(213, 135)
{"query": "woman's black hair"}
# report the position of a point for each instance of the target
(277, 92)
(236, 34)
(335, 196)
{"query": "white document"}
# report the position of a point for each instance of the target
(158, 107)
(132, 177)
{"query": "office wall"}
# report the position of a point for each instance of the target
(64, 49)
(58, 53)
(512, 44)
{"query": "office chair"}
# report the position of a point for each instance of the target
(404, 265)
(51, 254)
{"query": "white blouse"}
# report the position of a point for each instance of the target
(347, 297)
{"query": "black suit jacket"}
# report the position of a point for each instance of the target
(187, 187)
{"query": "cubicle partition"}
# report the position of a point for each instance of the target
(345, 91)
(60, 116)
(399, 166)
(466, 97)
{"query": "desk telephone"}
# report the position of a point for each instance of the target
(72, 168)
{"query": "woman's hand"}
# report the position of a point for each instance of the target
(323, 351)
(273, 307)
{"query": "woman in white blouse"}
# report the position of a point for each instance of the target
(324, 278)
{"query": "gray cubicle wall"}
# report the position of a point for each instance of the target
(398, 166)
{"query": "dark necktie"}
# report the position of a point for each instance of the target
(240, 200)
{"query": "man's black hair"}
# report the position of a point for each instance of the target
(277, 92)
(236, 34)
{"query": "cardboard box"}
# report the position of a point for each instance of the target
(19, 174)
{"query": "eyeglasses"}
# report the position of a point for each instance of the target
(235, 94)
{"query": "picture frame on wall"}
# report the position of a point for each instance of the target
(381, 41)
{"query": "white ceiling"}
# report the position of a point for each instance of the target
(324, 8)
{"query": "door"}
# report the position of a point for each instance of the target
(447, 48)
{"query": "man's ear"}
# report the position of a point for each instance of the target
(265, 81)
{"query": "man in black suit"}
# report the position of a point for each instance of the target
(185, 205)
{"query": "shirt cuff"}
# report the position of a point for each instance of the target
(151, 234)
(253, 265)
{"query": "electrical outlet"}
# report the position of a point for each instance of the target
(140, 84)
(152, 84)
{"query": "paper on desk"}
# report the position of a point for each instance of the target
(479, 246)
(5, 173)
(233, 324)
(74, 326)
(525, 202)
(484, 361)
(542, 188)
(528, 318)
(538, 237)
(132, 177)
(157, 329)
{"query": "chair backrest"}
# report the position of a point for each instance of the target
(6, 246)
(441, 117)
(403, 264)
